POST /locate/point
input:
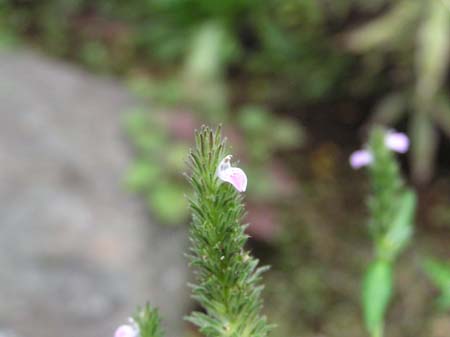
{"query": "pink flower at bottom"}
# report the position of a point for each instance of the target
(126, 331)
(233, 175)
(360, 158)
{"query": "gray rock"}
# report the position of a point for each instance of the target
(77, 253)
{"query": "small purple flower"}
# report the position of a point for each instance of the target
(233, 175)
(127, 330)
(397, 141)
(360, 158)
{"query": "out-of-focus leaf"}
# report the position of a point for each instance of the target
(439, 273)
(95, 55)
(208, 54)
(254, 119)
(401, 229)
(135, 121)
(203, 73)
(169, 204)
(441, 115)
(384, 31)
(141, 86)
(306, 13)
(376, 294)
(424, 140)
(142, 175)
(342, 9)
(145, 132)
(263, 190)
(432, 53)
(389, 110)
(8, 39)
(150, 141)
(287, 133)
(444, 301)
(168, 92)
(176, 157)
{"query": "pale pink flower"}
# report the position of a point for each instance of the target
(360, 158)
(233, 175)
(397, 141)
(127, 331)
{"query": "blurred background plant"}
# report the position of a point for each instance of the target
(392, 208)
(412, 38)
(293, 83)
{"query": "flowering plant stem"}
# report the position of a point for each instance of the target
(228, 278)
(392, 206)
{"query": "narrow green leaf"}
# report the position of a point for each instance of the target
(401, 229)
(385, 30)
(376, 294)
(390, 109)
(439, 272)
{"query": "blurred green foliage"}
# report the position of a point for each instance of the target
(287, 44)
(439, 274)
(156, 171)
(287, 52)
(376, 295)
(196, 94)
(264, 134)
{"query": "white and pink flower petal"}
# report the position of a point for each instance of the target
(126, 331)
(360, 158)
(233, 175)
(397, 141)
